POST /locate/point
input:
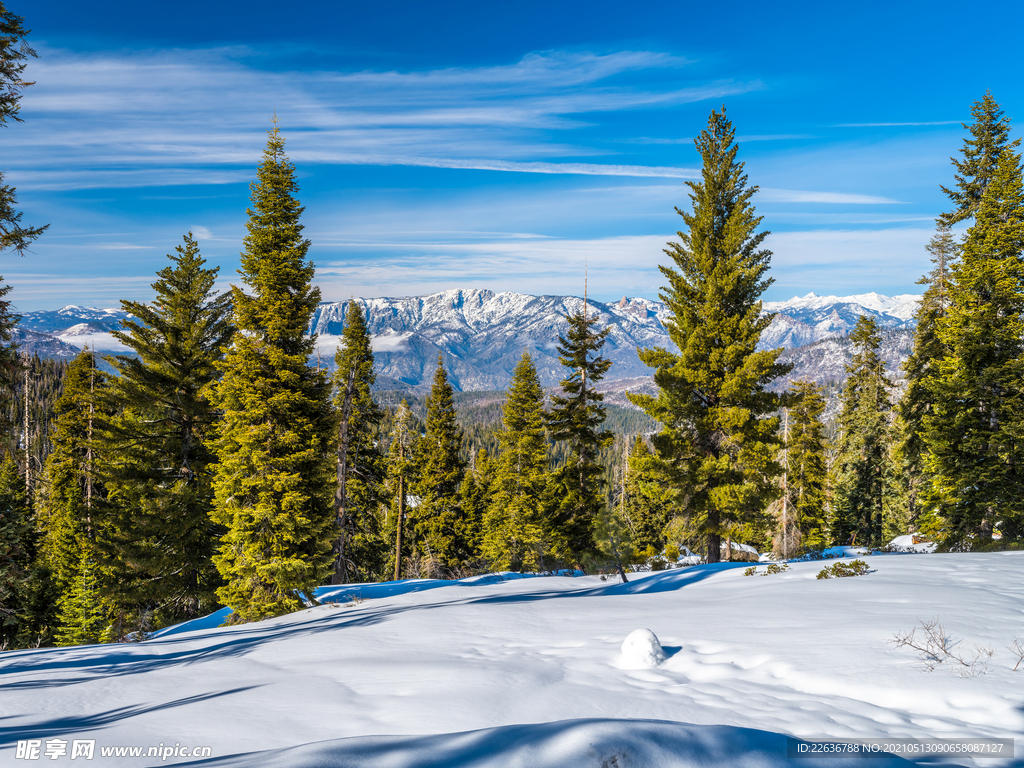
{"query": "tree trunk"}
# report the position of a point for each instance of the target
(714, 548)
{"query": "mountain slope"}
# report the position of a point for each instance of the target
(482, 334)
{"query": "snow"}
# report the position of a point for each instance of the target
(503, 670)
(84, 334)
(642, 650)
(907, 542)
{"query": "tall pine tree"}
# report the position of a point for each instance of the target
(922, 373)
(719, 438)
(975, 433)
(158, 542)
(276, 477)
(72, 494)
(441, 527)
(14, 54)
(17, 553)
(400, 471)
(576, 491)
(512, 523)
(860, 469)
(361, 548)
(990, 134)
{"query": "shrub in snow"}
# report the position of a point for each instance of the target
(771, 569)
(642, 650)
(841, 570)
(935, 647)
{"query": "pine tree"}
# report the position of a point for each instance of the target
(614, 537)
(14, 54)
(805, 464)
(646, 505)
(719, 439)
(512, 524)
(361, 548)
(474, 498)
(921, 369)
(275, 480)
(82, 616)
(17, 553)
(440, 522)
(990, 134)
(865, 430)
(158, 543)
(974, 433)
(576, 490)
(71, 490)
(400, 464)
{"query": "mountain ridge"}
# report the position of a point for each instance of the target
(481, 334)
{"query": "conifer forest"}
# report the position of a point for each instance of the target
(219, 463)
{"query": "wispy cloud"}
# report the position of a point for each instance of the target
(193, 117)
(891, 125)
(770, 195)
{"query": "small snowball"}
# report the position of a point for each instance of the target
(642, 650)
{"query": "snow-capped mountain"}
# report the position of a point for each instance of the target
(482, 334)
(806, 319)
(59, 320)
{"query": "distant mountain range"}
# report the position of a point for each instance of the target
(482, 334)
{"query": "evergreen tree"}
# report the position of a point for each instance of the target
(158, 542)
(512, 524)
(14, 54)
(576, 492)
(275, 480)
(81, 614)
(474, 498)
(17, 552)
(71, 492)
(361, 548)
(37, 386)
(440, 522)
(646, 505)
(865, 429)
(614, 538)
(719, 439)
(400, 464)
(990, 134)
(974, 433)
(805, 464)
(921, 369)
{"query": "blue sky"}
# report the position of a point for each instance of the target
(495, 145)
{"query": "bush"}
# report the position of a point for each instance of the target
(842, 570)
(771, 569)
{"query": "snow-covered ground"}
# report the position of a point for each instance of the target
(509, 671)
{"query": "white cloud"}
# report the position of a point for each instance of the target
(770, 195)
(888, 125)
(190, 117)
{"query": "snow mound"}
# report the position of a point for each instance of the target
(907, 542)
(592, 743)
(642, 650)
